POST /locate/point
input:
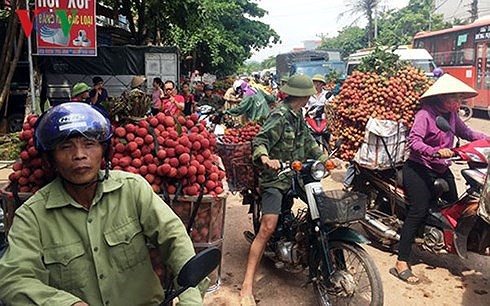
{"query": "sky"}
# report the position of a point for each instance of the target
(299, 20)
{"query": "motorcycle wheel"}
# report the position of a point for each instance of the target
(465, 112)
(354, 281)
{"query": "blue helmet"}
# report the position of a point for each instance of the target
(70, 119)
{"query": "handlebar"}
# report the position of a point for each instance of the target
(284, 168)
(454, 157)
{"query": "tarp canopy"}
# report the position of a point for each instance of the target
(113, 60)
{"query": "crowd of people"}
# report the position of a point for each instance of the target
(102, 203)
(249, 97)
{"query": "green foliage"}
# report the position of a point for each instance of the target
(381, 62)
(395, 27)
(218, 34)
(269, 62)
(365, 8)
(249, 67)
(398, 27)
(224, 36)
(333, 76)
(348, 40)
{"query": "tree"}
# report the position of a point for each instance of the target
(11, 49)
(348, 40)
(218, 35)
(364, 8)
(398, 27)
(224, 36)
(269, 62)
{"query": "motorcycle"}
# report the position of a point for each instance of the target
(212, 117)
(318, 128)
(317, 123)
(318, 238)
(450, 227)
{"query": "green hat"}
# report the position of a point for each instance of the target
(284, 78)
(299, 85)
(79, 88)
(319, 78)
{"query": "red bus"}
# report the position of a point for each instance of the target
(463, 52)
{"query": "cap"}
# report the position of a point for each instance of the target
(299, 85)
(79, 88)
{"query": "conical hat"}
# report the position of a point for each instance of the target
(137, 81)
(447, 84)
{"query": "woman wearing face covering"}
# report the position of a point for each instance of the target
(425, 141)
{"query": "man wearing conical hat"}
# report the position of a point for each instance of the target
(426, 141)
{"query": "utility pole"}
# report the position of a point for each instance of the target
(473, 10)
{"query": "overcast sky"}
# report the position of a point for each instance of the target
(299, 20)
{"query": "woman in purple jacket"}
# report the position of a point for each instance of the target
(443, 98)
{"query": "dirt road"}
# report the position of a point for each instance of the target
(446, 280)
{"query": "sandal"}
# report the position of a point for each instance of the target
(247, 300)
(404, 275)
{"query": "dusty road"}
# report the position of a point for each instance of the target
(446, 280)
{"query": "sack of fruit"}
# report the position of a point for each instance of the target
(237, 159)
(384, 146)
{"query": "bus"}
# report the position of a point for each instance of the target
(463, 52)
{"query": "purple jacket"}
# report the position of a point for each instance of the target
(425, 139)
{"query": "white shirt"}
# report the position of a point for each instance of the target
(317, 99)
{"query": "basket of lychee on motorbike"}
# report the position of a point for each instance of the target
(235, 150)
(317, 236)
(450, 227)
(204, 217)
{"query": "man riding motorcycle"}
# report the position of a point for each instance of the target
(283, 137)
(82, 239)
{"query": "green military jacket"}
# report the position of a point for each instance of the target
(253, 107)
(60, 252)
(214, 101)
(284, 136)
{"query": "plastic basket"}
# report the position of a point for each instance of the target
(237, 159)
(209, 222)
(338, 206)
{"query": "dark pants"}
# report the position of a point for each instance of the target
(418, 182)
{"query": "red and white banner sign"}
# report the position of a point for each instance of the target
(66, 27)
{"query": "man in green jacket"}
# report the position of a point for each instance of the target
(82, 239)
(283, 137)
(253, 107)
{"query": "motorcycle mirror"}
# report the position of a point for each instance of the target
(198, 267)
(442, 124)
(194, 271)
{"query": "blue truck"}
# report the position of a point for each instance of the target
(309, 62)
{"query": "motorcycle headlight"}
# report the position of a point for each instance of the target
(318, 170)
